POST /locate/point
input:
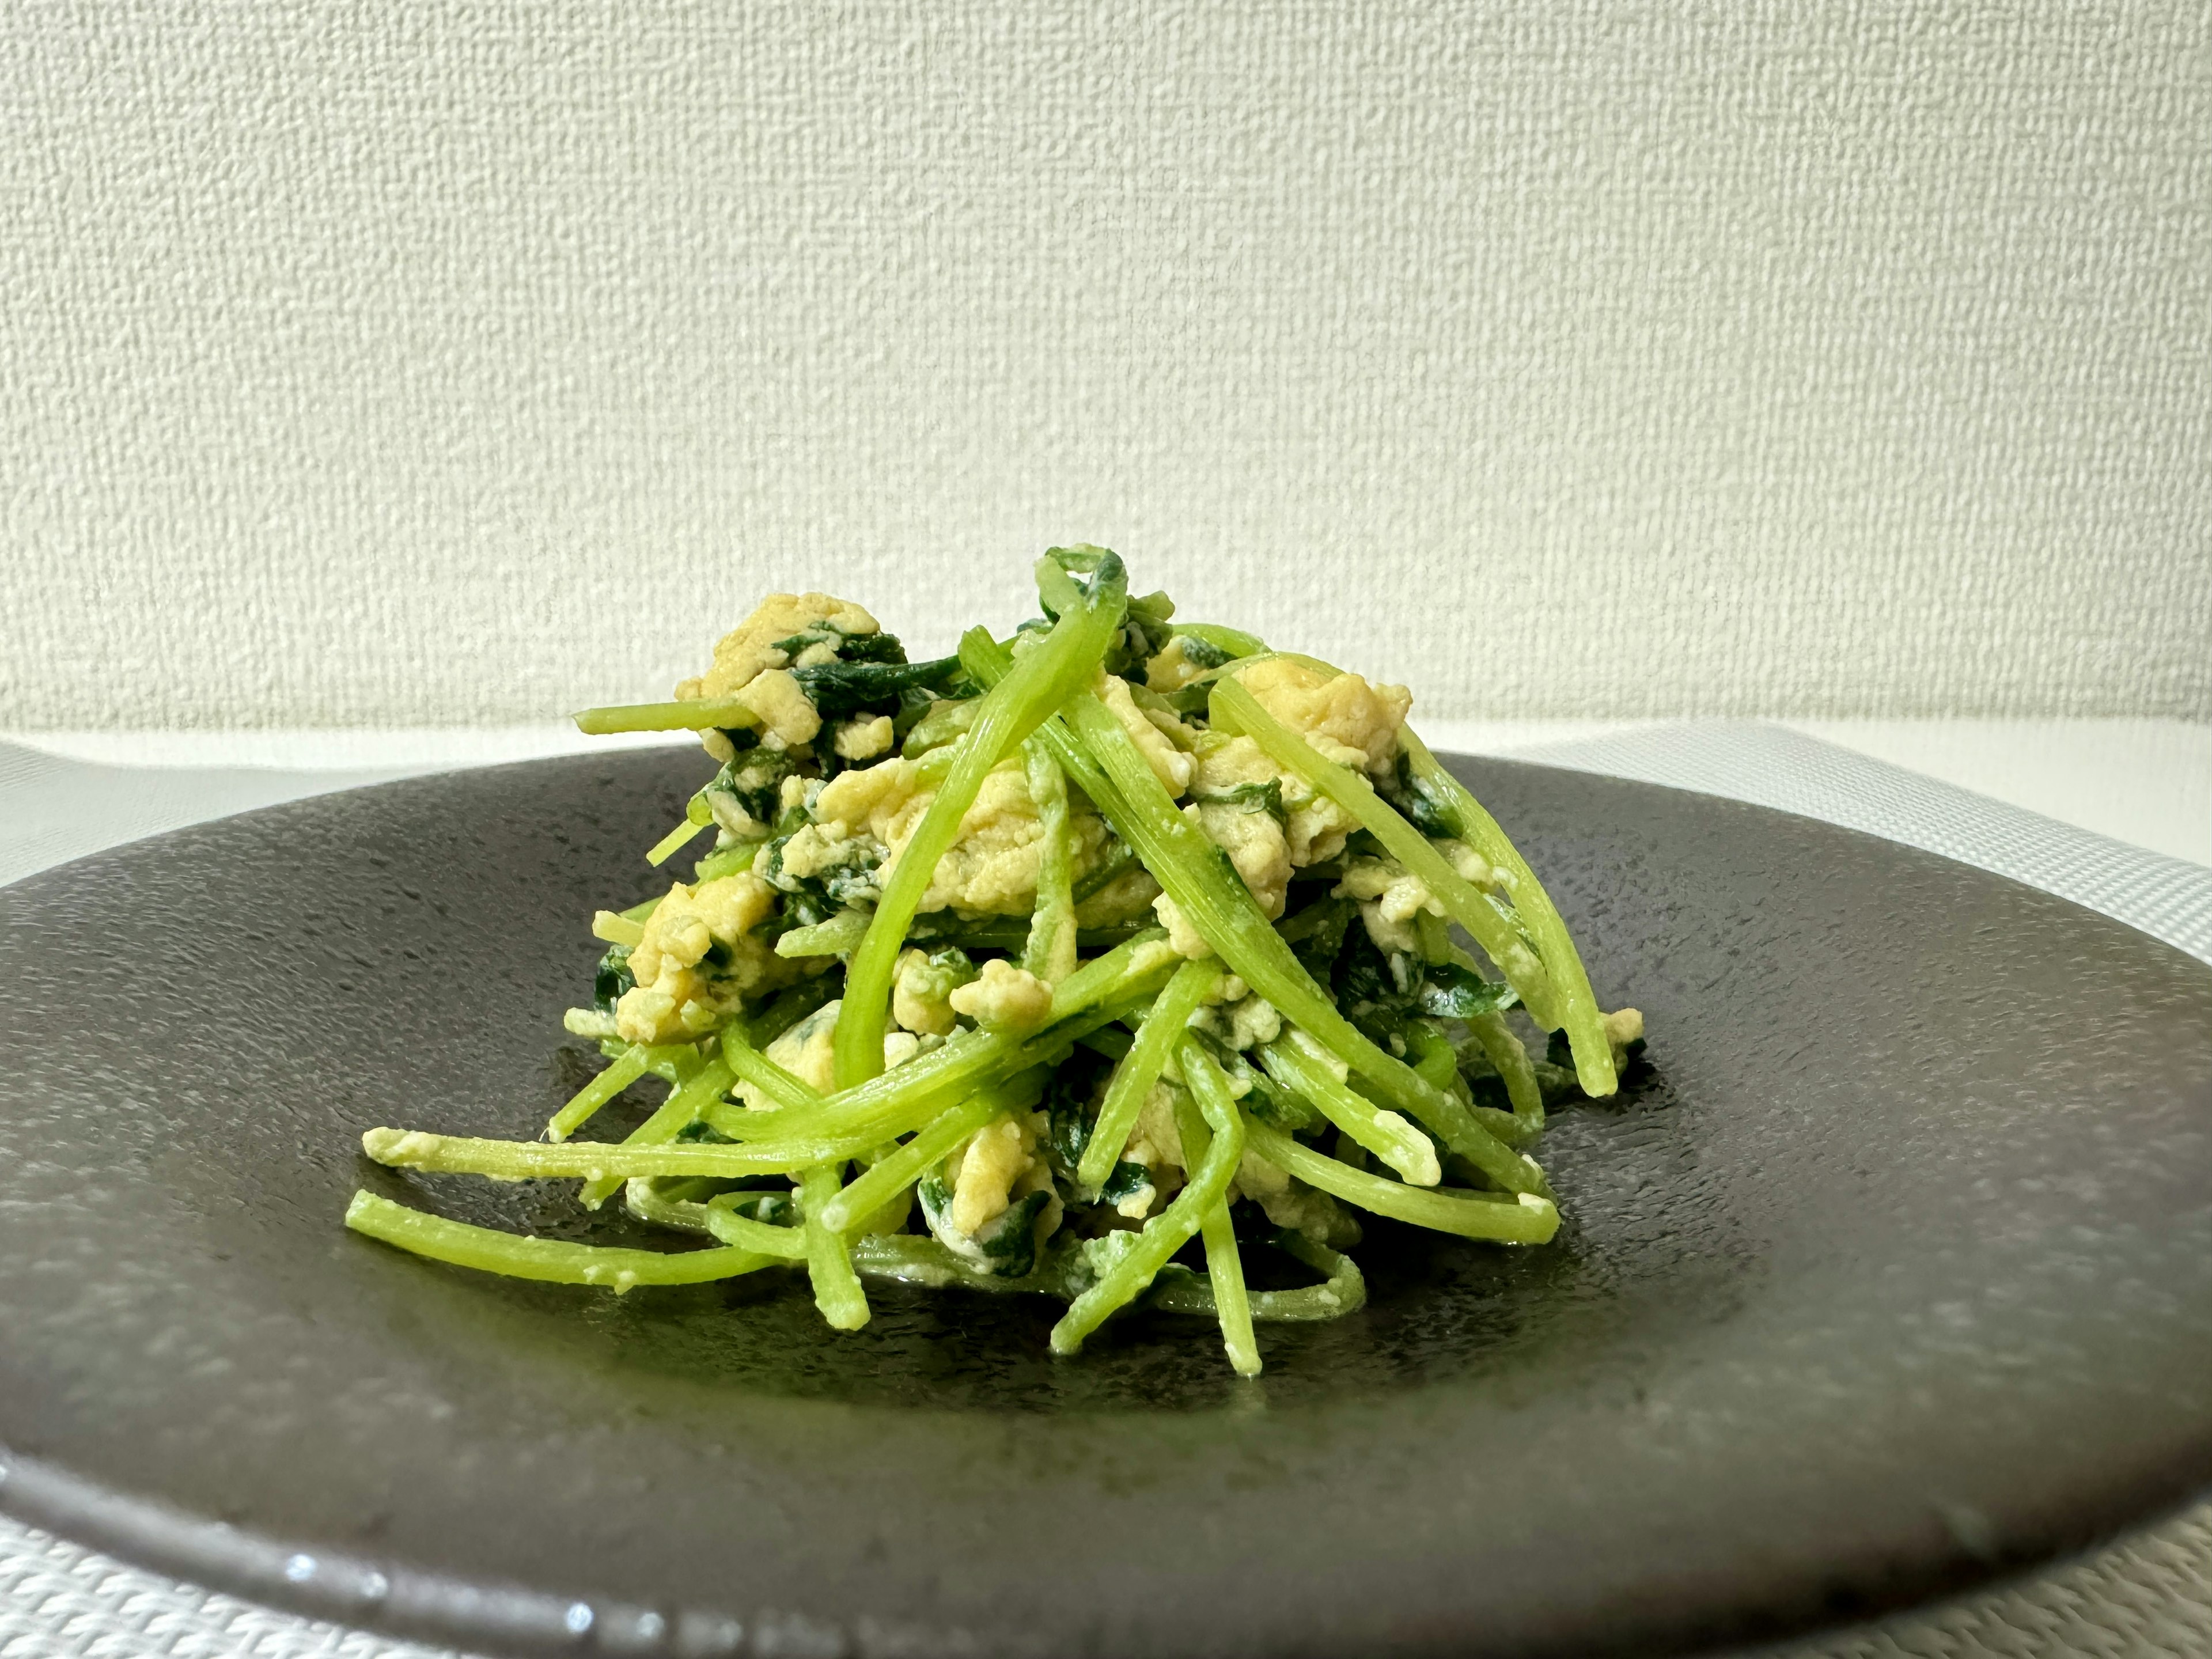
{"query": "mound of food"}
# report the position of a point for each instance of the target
(1043, 965)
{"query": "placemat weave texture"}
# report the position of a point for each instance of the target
(2150, 1594)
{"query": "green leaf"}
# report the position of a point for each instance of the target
(838, 688)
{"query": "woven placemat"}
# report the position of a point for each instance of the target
(2150, 1594)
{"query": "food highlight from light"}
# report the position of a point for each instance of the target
(1083, 962)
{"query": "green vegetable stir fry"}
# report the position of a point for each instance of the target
(1082, 962)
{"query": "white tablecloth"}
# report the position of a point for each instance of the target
(2148, 1595)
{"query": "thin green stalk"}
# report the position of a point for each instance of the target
(1140, 1069)
(642, 1198)
(1235, 710)
(1050, 951)
(549, 1260)
(1235, 641)
(1577, 1003)
(912, 1259)
(837, 1290)
(841, 934)
(1517, 1218)
(1043, 679)
(617, 929)
(705, 1087)
(786, 1243)
(672, 843)
(674, 1063)
(726, 861)
(595, 1160)
(1302, 1065)
(1169, 1231)
(613, 1078)
(687, 715)
(1224, 1268)
(1343, 1289)
(1504, 1051)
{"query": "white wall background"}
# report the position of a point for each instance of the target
(419, 363)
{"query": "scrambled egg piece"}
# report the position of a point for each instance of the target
(996, 1181)
(983, 1177)
(1004, 998)
(1169, 764)
(1471, 865)
(748, 648)
(1317, 826)
(1183, 939)
(1345, 718)
(808, 1051)
(1244, 1021)
(991, 868)
(862, 738)
(750, 668)
(787, 714)
(1255, 844)
(1622, 1027)
(699, 959)
(922, 987)
(1389, 898)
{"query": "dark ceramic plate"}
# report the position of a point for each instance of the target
(1894, 1272)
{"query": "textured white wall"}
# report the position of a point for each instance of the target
(425, 362)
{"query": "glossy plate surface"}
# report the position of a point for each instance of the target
(1894, 1272)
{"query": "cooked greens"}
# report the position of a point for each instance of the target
(1079, 962)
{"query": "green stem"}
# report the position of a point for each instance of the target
(549, 1260)
(1224, 1268)
(1140, 1069)
(786, 1243)
(1343, 1289)
(1504, 1052)
(1520, 1218)
(690, 715)
(726, 861)
(837, 1291)
(594, 1160)
(1043, 679)
(1578, 1010)
(1173, 1228)
(617, 929)
(613, 1078)
(910, 1259)
(1301, 1064)
(841, 934)
(672, 843)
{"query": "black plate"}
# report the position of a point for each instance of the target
(1895, 1273)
